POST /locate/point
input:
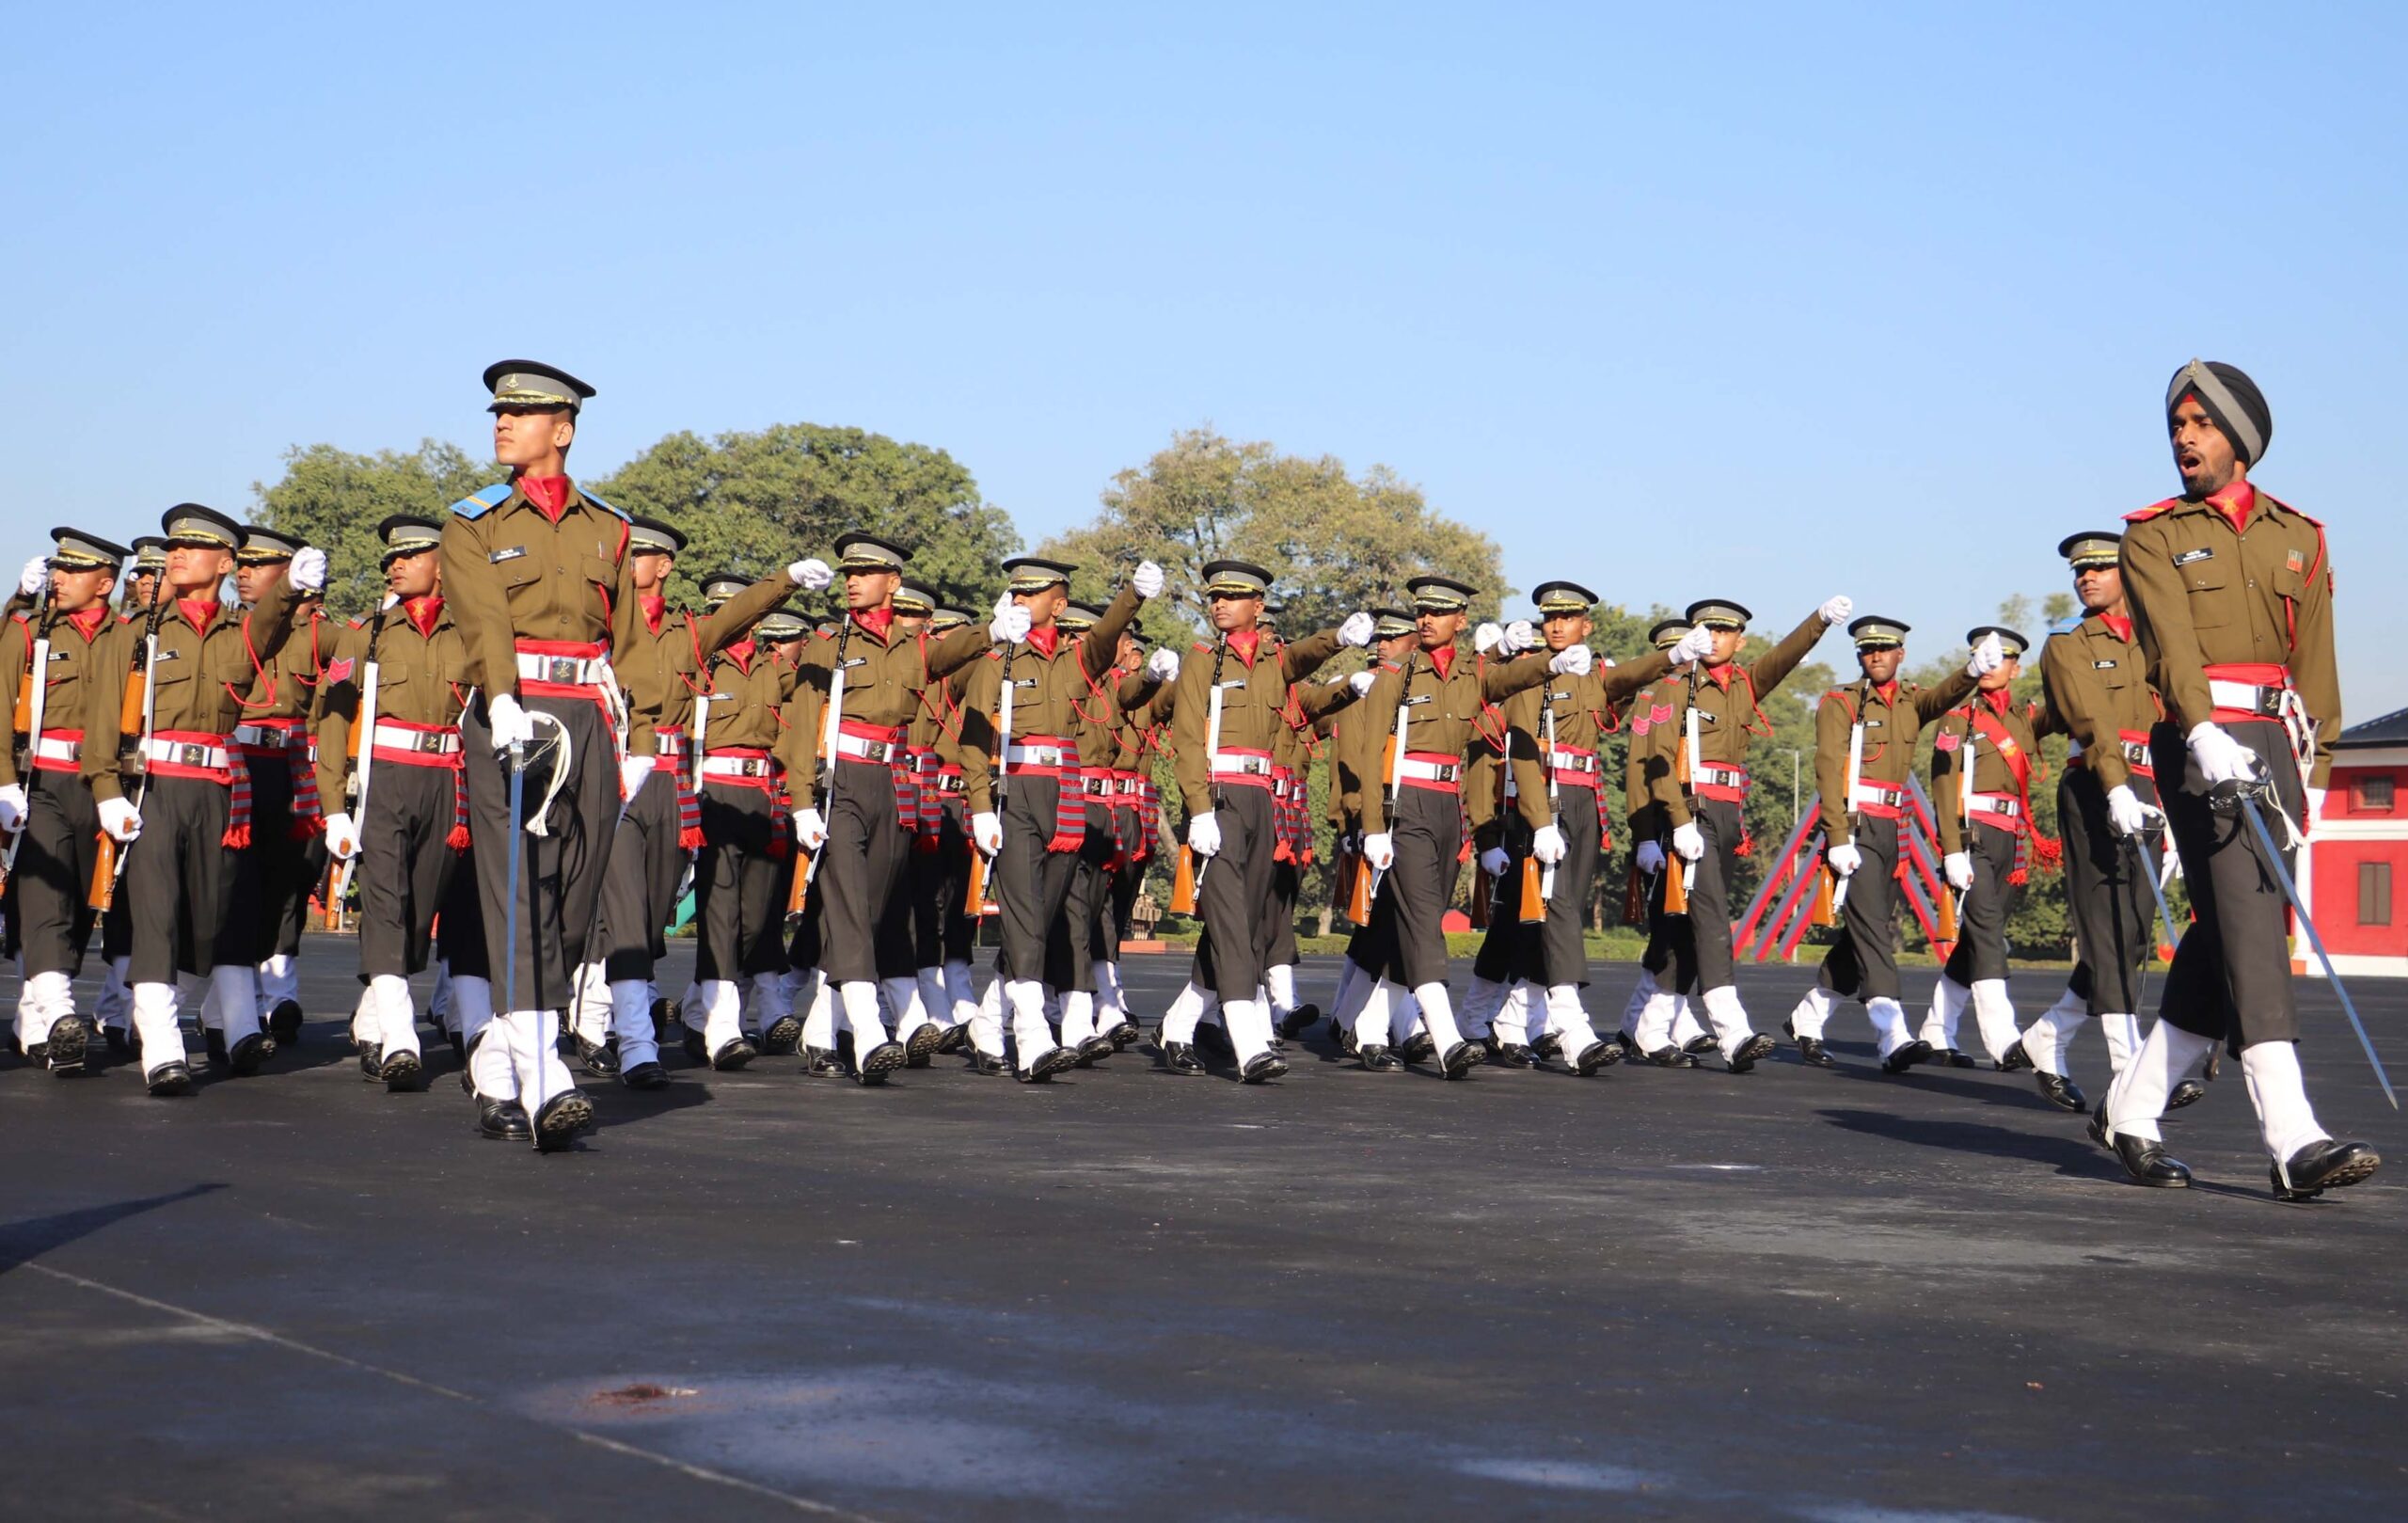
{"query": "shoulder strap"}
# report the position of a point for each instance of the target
(478, 503)
(2143, 515)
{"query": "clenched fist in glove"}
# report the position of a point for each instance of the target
(1163, 665)
(1845, 859)
(309, 569)
(1493, 862)
(810, 830)
(121, 819)
(1573, 661)
(1987, 657)
(1521, 635)
(509, 722)
(810, 575)
(1836, 609)
(986, 833)
(1355, 632)
(1958, 867)
(1204, 834)
(1010, 623)
(1694, 646)
(1651, 856)
(1487, 638)
(2219, 757)
(37, 572)
(1361, 682)
(1688, 841)
(342, 837)
(1146, 578)
(12, 806)
(1546, 844)
(2125, 809)
(1380, 851)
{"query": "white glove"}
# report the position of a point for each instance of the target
(810, 830)
(309, 570)
(121, 819)
(1146, 578)
(1361, 682)
(1836, 609)
(1694, 646)
(1958, 869)
(1521, 635)
(1355, 632)
(1987, 657)
(1163, 665)
(1573, 661)
(1845, 859)
(12, 806)
(986, 833)
(2315, 813)
(1651, 856)
(1204, 834)
(510, 724)
(1380, 851)
(342, 837)
(1010, 623)
(1487, 638)
(2125, 809)
(37, 572)
(1688, 842)
(1546, 844)
(633, 772)
(2219, 757)
(1493, 862)
(810, 575)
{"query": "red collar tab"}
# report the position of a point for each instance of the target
(2234, 502)
(655, 610)
(197, 611)
(548, 493)
(1888, 691)
(876, 621)
(1721, 675)
(88, 620)
(424, 612)
(1045, 640)
(1441, 658)
(2118, 624)
(741, 650)
(1999, 700)
(1244, 643)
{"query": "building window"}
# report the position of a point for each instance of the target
(2372, 794)
(2374, 894)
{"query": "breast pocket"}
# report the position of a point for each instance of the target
(600, 572)
(2209, 584)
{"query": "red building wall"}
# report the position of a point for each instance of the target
(2338, 858)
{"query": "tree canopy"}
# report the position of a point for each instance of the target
(334, 499)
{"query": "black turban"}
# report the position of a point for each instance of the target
(2231, 399)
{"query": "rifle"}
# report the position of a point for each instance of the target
(108, 866)
(1690, 732)
(810, 863)
(1553, 796)
(1533, 907)
(1949, 920)
(977, 903)
(32, 698)
(1855, 798)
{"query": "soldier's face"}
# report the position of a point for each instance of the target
(252, 580)
(146, 587)
(648, 569)
(871, 589)
(1233, 613)
(2007, 671)
(72, 592)
(1883, 665)
(909, 624)
(532, 435)
(412, 576)
(1043, 605)
(2099, 588)
(1564, 630)
(2201, 452)
(1396, 649)
(1437, 629)
(1726, 644)
(193, 568)
(1129, 655)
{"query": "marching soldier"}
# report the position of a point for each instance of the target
(115, 1009)
(1135, 814)
(943, 933)
(1988, 867)
(2233, 595)
(287, 817)
(48, 658)
(2099, 693)
(1355, 763)
(1651, 731)
(535, 575)
(1706, 809)
(1873, 722)
(183, 668)
(1413, 817)
(1035, 831)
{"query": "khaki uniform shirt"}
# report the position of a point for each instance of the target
(420, 679)
(72, 665)
(1893, 717)
(2095, 688)
(2024, 724)
(1049, 696)
(198, 684)
(1440, 712)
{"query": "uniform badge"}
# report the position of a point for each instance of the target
(2102, 666)
(1638, 725)
(1660, 714)
(2295, 561)
(2188, 556)
(1946, 741)
(511, 554)
(339, 670)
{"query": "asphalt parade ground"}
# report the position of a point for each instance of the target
(1797, 1294)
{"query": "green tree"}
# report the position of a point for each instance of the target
(335, 500)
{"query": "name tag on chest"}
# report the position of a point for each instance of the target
(2188, 556)
(511, 554)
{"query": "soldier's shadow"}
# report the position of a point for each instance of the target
(1987, 1090)
(2066, 1154)
(29, 1239)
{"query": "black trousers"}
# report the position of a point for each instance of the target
(2231, 979)
(943, 929)
(1553, 952)
(1862, 965)
(1235, 897)
(184, 891)
(1702, 939)
(857, 889)
(1981, 921)
(404, 869)
(639, 887)
(2107, 904)
(1030, 885)
(738, 886)
(54, 874)
(1070, 949)
(1128, 881)
(1426, 829)
(460, 925)
(289, 868)
(1501, 945)
(560, 873)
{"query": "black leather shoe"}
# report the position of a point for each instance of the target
(173, 1078)
(2320, 1166)
(1378, 1059)
(2017, 1060)
(1701, 1044)
(783, 1036)
(459, 1048)
(244, 1058)
(1090, 1052)
(504, 1120)
(1812, 1054)
(1263, 1067)
(1212, 1037)
(922, 1045)
(1049, 1063)
(372, 1063)
(1512, 1054)
(120, 1041)
(2146, 1162)
(1602, 1053)
(734, 1054)
(402, 1072)
(1461, 1058)
(1123, 1036)
(951, 1039)
(1549, 1045)
(989, 1066)
(601, 1058)
(1757, 1046)
(2061, 1092)
(2189, 1092)
(1906, 1056)
(818, 1063)
(284, 1022)
(1299, 1021)
(64, 1049)
(562, 1118)
(1178, 1057)
(212, 1041)
(1344, 1037)
(1669, 1057)
(644, 1076)
(1419, 1048)
(1953, 1059)
(879, 1062)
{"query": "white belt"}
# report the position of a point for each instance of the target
(275, 736)
(1430, 771)
(1721, 777)
(1038, 757)
(1982, 803)
(1576, 761)
(563, 670)
(186, 754)
(754, 767)
(667, 742)
(1241, 766)
(870, 750)
(51, 748)
(431, 742)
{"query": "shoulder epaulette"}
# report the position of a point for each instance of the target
(587, 493)
(360, 623)
(2143, 515)
(476, 504)
(2287, 508)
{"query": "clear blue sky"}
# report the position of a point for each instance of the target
(1764, 302)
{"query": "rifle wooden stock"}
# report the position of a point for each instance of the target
(799, 890)
(1483, 889)
(1944, 925)
(1825, 912)
(1676, 887)
(1357, 874)
(1182, 887)
(103, 891)
(1534, 896)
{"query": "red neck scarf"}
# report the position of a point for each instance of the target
(87, 621)
(876, 621)
(1719, 676)
(548, 493)
(1441, 658)
(1999, 700)
(1244, 643)
(741, 652)
(2118, 624)
(655, 610)
(1045, 640)
(2234, 502)
(197, 611)
(422, 613)
(1888, 691)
